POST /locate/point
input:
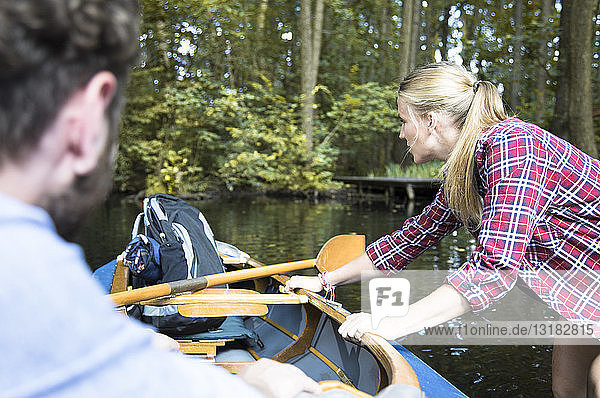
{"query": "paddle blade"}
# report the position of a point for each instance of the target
(222, 309)
(181, 299)
(340, 250)
(208, 310)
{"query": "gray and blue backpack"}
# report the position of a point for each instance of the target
(177, 243)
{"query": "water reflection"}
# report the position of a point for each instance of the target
(278, 230)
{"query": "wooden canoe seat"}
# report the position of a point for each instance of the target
(216, 351)
(206, 349)
(224, 345)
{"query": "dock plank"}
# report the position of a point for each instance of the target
(402, 188)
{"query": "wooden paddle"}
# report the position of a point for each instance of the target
(338, 251)
(220, 298)
(207, 310)
(213, 310)
(226, 302)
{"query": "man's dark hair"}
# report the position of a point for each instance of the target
(51, 48)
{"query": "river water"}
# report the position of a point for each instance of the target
(280, 230)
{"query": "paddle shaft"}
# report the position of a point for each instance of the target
(195, 284)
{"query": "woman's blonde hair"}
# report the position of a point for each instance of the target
(473, 106)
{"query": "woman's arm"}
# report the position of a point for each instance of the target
(352, 271)
(443, 304)
(393, 252)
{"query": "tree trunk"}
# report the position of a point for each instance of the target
(306, 53)
(445, 32)
(581, 125)
(310, 50)
(517, 69)
(542, 75)
(407, 26)
(262, 12)
(316, 39)
(466, 36)
(163, 46)
(414, 41)
(385, 23)
(384, 38)
(560, 126)
(260, 25)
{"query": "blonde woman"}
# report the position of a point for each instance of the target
(531, 199)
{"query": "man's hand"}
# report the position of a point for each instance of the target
(278, 380)
(164, 342)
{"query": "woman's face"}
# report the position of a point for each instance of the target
(429, 137)
(413, 131)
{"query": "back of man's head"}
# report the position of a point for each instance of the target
(48, 50)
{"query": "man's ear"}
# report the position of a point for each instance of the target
(87, 123)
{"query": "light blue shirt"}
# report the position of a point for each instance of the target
(60, 336)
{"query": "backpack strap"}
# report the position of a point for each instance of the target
(156, 221)
(136, 225)
(208, 231)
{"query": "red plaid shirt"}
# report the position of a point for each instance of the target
(541, 222)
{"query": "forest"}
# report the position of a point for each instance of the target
(280, 95)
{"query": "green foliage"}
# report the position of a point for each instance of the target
(175, 169)
(204, 132)
(269, 151)
(214, 100)
(172, 137)
(363, 123)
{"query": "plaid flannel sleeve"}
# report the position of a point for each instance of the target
(520, 185)
(393, 252)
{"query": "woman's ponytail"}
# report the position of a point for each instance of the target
(460, 185)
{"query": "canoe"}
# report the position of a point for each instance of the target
(304, 334)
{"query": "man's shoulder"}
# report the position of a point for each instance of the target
(28, 232)
(17, 217)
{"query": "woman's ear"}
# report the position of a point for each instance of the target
(432, 121)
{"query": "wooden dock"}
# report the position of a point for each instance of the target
(394, 189)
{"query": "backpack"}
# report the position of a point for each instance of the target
(186, 249)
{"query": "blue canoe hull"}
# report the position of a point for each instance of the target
(432, 383)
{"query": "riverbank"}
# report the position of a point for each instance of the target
(396, 191)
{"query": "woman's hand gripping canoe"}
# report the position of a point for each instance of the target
(441, 305)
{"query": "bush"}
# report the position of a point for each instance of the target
(176, 138)
(268, 151)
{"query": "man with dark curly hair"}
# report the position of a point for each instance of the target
(63, 65)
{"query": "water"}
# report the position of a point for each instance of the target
(280, 230)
